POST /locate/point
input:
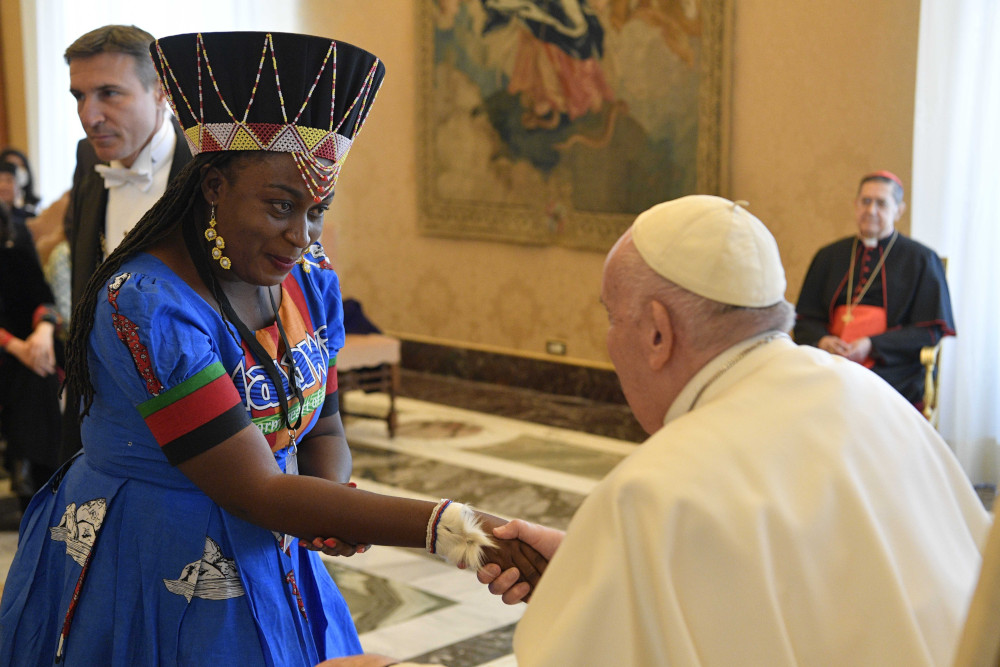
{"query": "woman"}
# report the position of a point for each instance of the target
(29, 386)
(23, 199)
(204, 349)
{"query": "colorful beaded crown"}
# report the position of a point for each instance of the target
(329, 87)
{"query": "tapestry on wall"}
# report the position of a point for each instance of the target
(558, 121)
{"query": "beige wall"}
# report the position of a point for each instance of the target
(822, 91)
(13, 73)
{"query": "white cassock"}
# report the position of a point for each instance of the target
(802, 513)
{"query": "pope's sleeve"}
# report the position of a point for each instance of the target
(162, 356)
(607, 597)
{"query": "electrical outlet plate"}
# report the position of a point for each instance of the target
(556, 347)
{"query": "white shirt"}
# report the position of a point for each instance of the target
(802, 513)
(128, 202)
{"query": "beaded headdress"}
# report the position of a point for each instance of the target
(299, 94)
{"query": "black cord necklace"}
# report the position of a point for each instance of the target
(256, 349)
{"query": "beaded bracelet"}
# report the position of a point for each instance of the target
(432, 525)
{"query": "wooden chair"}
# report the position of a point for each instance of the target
(930, 357)
(370, 362)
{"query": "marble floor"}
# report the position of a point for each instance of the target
(409, 604)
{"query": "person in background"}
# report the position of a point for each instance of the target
(789, 507)
(877, 297)
(204, 350)
(8, 190)
(23, 201)
(132, 150)
(29, 386)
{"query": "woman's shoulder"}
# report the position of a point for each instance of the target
(144, 285)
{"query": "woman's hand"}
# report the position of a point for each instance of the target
(41, 350)
(34, 353)
(331, 546)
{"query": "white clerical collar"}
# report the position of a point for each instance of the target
(154, 156)
(692, 392)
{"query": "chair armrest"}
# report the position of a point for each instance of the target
(930, 358)
(930, 355)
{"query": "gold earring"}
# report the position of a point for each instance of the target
(218, 242)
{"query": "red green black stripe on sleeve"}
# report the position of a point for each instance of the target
(196, 415)
(331, 403)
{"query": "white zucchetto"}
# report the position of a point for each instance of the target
(714, 248)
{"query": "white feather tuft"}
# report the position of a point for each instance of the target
(460, 537)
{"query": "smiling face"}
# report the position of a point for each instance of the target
(118, 113)
(266, 215)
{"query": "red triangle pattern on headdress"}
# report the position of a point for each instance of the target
(265, 132)
(327, 149)
(208, 142)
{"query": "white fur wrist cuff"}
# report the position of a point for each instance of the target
(455, 534)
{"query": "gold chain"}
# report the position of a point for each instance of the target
(868, 283)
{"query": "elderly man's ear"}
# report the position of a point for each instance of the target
(660, 337)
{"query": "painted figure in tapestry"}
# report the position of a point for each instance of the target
(555, 101)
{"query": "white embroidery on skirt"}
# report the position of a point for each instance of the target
(78, 528)
(214, 577)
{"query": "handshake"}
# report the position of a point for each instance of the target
(515, 562)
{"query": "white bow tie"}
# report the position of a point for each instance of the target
(115, 176)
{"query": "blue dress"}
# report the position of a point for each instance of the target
(122, 560)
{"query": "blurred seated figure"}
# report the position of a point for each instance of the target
(878, 297)
(29, 386)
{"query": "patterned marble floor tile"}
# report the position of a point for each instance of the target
(493, 493)
(554, 455)
(475, 449)
(479, 650)
(377, 602)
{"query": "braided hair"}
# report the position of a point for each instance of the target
(174, 209)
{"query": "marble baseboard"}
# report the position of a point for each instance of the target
(550, 377)
(612, 420)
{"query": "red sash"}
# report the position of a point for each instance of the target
(864, 321)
